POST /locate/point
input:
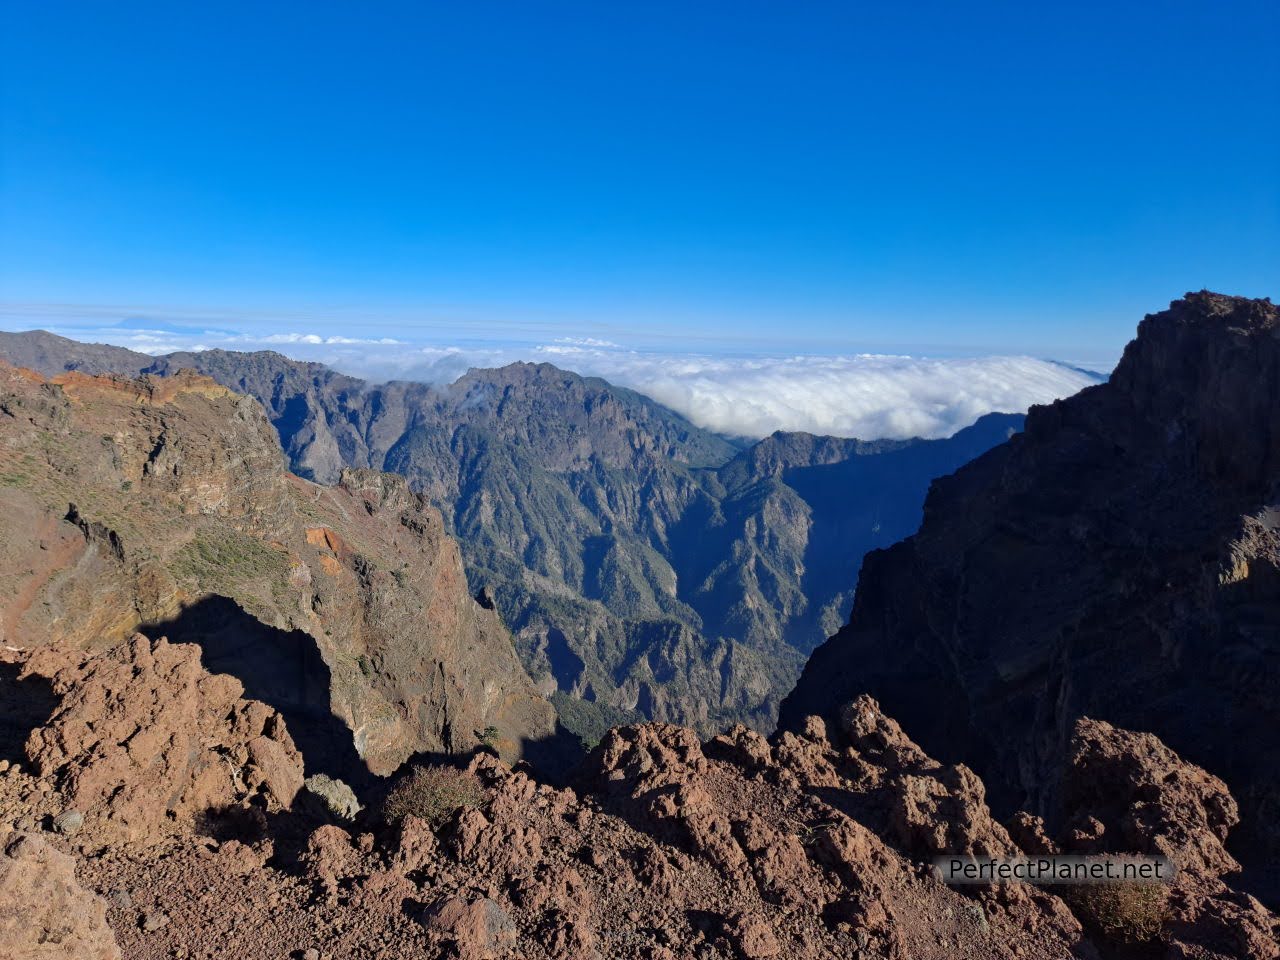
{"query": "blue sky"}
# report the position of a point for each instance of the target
(644, 190)
(833, 176)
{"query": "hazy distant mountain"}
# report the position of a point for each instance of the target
(642, 563)
(49, 354)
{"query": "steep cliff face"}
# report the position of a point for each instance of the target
(1120, 559)
(163, 504)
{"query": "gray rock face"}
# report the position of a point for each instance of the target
(330, 798)
(69, 822)
(1120, 559)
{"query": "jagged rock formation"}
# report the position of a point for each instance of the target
(810, 845)
(1119, 559)
(1127, 792)
(163, 504)
(647, 567)
(192, 744)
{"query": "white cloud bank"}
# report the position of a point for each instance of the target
(858, 396)
(865, 395)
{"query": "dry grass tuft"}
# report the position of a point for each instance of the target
(432, 794)
(1128, 912)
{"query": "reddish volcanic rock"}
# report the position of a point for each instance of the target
(1127, 792)
(1147, 799)
(145, 737)
(475, 929)
(665, 847)
(44, 913)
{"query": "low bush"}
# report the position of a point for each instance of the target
(432, 794)
(1124, 913)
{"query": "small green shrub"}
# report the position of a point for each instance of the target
(432, 794)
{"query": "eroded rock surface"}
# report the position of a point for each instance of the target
(1127, 792)
(145, 739)
(44, 912)
(813, 845)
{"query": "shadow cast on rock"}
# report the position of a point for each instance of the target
(282, 668)
(555, 758)
(25, 703)
(286, 831)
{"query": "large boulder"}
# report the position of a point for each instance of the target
(1128, 793)
(145, 738)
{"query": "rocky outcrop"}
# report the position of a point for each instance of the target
(44, 913)
(1119, 559)
(144, 740)
(1128, 793)
(163, 504)
(668, 848)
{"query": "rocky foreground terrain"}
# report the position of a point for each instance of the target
(1119, 559)
(158, 813)
(647, 568)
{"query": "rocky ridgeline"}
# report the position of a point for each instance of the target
(181, 806)
(648, 568)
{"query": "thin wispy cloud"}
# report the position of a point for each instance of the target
(314, 339)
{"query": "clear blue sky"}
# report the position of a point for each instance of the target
(1002, 175)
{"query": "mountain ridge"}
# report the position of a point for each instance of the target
(164, 504)
(644, 565)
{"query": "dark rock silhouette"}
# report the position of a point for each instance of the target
(1119, 559)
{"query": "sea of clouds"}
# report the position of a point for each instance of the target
(856, 395)
(866, 395)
